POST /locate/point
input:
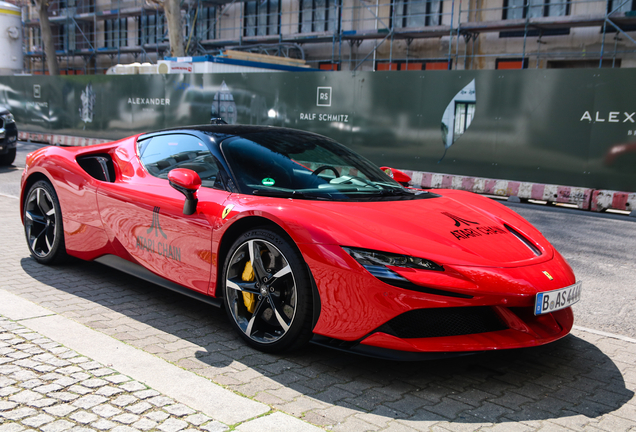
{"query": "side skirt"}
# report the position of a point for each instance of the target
(142, 273)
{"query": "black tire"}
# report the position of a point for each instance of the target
(43, 224)
(7, 159)
(280, 279)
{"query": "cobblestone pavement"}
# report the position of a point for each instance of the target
(48, 387)
(584, 382)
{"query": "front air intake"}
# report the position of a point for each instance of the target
(438, 322)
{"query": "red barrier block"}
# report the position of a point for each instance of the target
(513, 188)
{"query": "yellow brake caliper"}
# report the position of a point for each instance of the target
(249, 299)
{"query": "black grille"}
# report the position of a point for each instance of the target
(424, 323)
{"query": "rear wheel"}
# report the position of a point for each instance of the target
(7, 159)
(43, 224)
(267, 292)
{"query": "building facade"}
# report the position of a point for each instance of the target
(352, 35)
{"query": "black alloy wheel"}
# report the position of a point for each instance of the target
(43, 224)
(267, 292)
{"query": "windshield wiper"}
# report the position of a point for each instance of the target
(277, 193)
(399, 191)
(395, 192)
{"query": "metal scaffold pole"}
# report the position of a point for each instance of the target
(118, 31)
(450, 38)
(600, 61)
(526, 11)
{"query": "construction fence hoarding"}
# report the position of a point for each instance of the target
(568, 127)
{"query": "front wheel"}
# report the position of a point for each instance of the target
(267, 291)
(43, 224)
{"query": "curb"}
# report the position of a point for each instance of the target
(192, 390)
(526, 190)
(55, 139)
(597, 200)
(606, 199)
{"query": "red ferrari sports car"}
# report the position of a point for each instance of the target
(301, 239)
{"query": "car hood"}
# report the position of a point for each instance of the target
(457, 228)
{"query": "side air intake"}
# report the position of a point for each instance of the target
(98, 166)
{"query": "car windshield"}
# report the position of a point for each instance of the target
(305, 165)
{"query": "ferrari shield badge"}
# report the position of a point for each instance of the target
(548, 275)
(226, 211)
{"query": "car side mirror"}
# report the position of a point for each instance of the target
(397, 175)
(188, 183)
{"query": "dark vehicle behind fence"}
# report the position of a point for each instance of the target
(8, 138)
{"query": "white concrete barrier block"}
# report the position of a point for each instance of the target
(480, 185)
(436, 181)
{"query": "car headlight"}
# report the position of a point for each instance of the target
(8, 118)
(376, 262)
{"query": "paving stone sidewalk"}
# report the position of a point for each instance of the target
(48, 387)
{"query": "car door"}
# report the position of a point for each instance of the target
(144, 214)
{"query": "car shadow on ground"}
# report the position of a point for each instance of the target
(563, 380)
(10, 168)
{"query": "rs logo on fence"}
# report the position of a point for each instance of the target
(324, 96)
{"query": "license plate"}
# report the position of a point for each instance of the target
(551, 301)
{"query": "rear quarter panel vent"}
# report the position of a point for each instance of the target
(98, 166)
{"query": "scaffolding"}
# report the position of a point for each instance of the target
(351, 35)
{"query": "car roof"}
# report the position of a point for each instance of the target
(229, 130)
(223, 131)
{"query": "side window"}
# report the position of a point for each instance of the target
(161, 154)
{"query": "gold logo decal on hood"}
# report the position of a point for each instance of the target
(548, 275)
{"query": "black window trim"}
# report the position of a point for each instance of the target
(545, 12)
(431, 19)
